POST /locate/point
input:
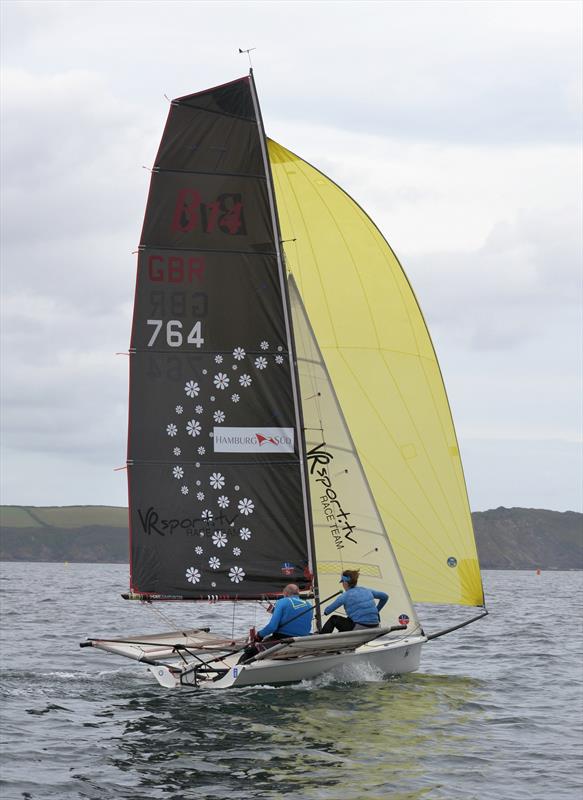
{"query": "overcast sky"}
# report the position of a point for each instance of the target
(457, 125)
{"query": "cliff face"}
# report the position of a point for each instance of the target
(508, 538)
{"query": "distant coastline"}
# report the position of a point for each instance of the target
(508, 538)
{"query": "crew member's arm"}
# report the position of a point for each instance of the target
(273, 623)
(382, 597)
(334, 605)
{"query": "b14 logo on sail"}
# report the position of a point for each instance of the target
(225, 214)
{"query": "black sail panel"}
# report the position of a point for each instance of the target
(217, 506)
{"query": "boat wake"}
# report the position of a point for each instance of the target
(346, 673)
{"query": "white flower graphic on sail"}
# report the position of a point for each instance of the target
(184, 489)
(223, 501)
(193, 427)
(245, 534)
(192, 389)
(201, 451)
(219, 416)
(260, 362)
(264, 345)
(178, 472)
(198, 409)
(246, 506)
(200, 495)
(235, 398)
(171, 429)
(279, 359)
(192, 575)
(179, 409)
(238, 353)
(245, 380)
(198, 550)
(219, 359)
(219, 539)
(236, 574)
(214, 562)
(207, 514)
(236, 551)
(216, 480)
(221, 380)
(177, 451)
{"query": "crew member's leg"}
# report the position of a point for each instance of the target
(340, 623)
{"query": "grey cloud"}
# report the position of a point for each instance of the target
(525, 276)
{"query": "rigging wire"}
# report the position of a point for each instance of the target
(173, 625)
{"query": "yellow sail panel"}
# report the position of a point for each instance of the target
(381, 361)
(348, 529)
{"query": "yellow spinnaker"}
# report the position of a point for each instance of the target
(381, 361)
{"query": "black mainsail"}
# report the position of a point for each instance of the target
(217, 488)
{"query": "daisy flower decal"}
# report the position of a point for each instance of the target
(201, 451)
(200, 496)
(193, 427)
(223, 501)
(214, 562)
(246, 506)
(245, 380)
(219, 539)
(236, 574)
(207, 514)
(221, 380)
(236, 551)
(216, 480)
(177, 451)
(245, 534)
(279, 359)
(219, 416)
(260, 362)
(238, 353)
(198, 550)
(192, 389)
(198, 409)
(178, 472)
(192, 575)
(171, 429)
(235, 398)
(184, 489)
(264, 345)
(219, 359)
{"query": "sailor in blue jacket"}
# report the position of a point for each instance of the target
(359, 604)
(292, 616)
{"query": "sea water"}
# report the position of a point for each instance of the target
(494, 712)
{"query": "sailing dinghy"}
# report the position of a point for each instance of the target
(288, 418)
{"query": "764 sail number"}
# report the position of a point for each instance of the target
(175, 333)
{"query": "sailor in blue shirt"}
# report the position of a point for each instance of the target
(359, 604)
(292, 616)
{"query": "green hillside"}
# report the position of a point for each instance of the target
(508, 538)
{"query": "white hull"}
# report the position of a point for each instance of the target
(388, 657)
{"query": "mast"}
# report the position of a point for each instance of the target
(292, 352)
